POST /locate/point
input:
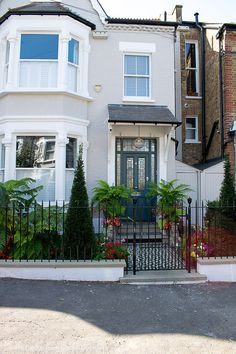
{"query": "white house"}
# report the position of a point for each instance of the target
(70, 75)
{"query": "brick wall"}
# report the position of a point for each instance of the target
(191, 153)
(229, 80)
(212, 80)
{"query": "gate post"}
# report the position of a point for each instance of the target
(188, 241)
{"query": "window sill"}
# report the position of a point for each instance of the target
(138, 99)
(193, 97)
(46, 91)
(192, 142)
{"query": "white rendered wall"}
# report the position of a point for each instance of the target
(220, 269)
(74, 271)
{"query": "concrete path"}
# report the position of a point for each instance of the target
(61, 317)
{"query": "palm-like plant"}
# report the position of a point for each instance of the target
(169, 197)
(109, 198)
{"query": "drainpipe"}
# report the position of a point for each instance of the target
(221, 53)
(203, 86)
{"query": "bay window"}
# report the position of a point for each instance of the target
(71, 159)
(73, 65)
(35, 158)
(38, 60)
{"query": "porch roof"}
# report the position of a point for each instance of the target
(144, 114)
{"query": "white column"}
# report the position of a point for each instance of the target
(3, 46)
(85, 145)
(84, 61)
(9, 158)
(11, 80)
(63, 64)
(60, 167)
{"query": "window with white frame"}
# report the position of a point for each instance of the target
(35, 158)
(191, 130)
(136, 75)
(191, 64)
(71, 159)
(38, 60)
(73, 65)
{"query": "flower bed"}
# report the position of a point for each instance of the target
(223, 242)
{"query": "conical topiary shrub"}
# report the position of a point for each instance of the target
(79, 234)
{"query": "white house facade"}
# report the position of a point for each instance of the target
(69, 75)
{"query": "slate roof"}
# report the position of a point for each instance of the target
(123, 113)
(45, 8)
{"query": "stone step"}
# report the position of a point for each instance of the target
(163, 277)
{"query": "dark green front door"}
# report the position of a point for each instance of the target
(136, 169)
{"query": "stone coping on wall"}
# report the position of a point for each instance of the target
(215, 261)
(62, 264)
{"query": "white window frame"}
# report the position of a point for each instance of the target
(77, 66)
(137, 98)
(193, 69)
(38, 60)
(191, 141)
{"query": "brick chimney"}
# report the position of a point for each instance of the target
(177, 13)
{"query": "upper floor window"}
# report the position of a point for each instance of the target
(137, 75)
(73, 64)
(191, 64)
(38, 60)
(191, 130)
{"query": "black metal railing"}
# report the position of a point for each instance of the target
(148, 238)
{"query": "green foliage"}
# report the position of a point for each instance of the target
(33, 233)
(79, 234)
(18, 192)
(109, 198)
(169, 197)
(227, 192)
(168, 193)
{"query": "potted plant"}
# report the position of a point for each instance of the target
(109, 199)
(170, 197)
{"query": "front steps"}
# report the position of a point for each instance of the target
(163, 277)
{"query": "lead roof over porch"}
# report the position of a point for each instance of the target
(123, 113)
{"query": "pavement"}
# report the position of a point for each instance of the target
(72, 317)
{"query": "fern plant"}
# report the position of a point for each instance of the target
(169, 197)
(109, 198)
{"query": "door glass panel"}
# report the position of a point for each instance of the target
(118, 144)
(118, 159)
(130, 172)
(129, 145)
(141, 172)
(152, 168)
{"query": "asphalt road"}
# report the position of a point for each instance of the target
(62, 317)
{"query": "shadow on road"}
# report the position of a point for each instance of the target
(205, 310)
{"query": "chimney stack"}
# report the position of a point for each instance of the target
(177, 13)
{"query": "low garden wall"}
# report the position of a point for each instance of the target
(218, 269)
(59, 270)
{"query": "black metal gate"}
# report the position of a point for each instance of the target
(152, 247)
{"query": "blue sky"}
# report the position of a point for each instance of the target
(209, 10)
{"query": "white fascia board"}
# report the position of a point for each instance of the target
(137, 47)
(46, 119)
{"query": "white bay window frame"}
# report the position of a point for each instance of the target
(66, 28)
